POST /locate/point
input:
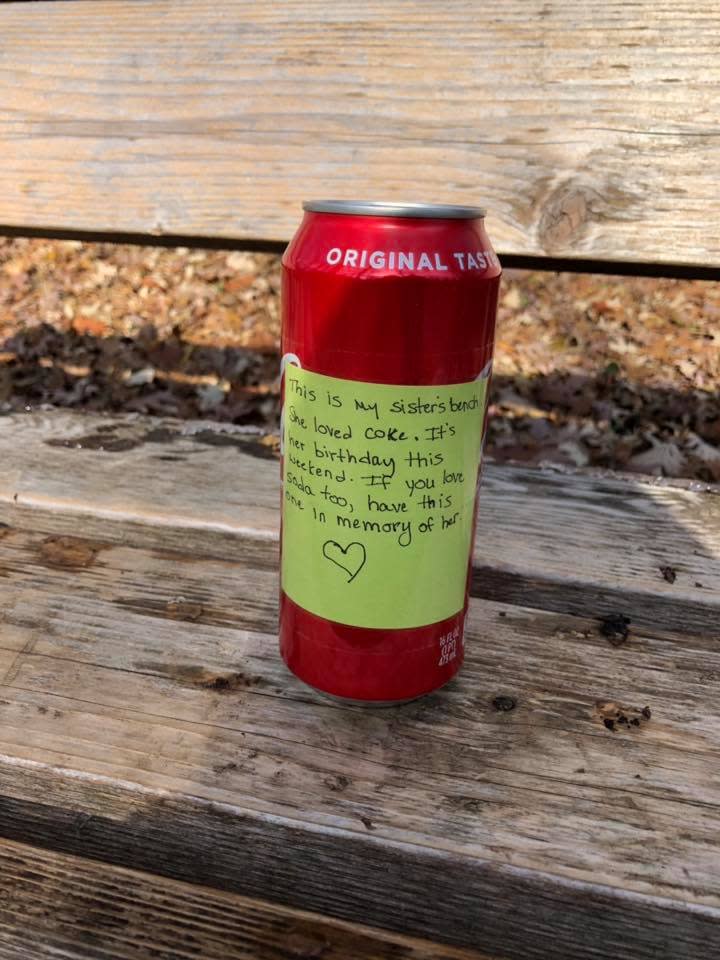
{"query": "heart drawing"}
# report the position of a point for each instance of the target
(351, 558)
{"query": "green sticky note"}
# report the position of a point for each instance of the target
(379, 488)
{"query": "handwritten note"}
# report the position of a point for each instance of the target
(378, 497)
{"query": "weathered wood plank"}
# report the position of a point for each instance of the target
(407, 887)
(170, 738)
(591, 136)
(57, 905)
(583, 544)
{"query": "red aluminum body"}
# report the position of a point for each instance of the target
(382, 325)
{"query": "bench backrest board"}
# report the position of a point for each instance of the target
(589, 130)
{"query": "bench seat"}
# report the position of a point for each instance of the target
(535, 807)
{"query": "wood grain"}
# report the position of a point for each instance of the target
(591, 136)
(56, 905)
(587, 544)
(167, 736)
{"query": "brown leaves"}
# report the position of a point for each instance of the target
(599, 371)
(171, 332)
(214, 297)
(609, 372)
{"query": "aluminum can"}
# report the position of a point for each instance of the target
(388, 322)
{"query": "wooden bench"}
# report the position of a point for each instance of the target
(166, 788)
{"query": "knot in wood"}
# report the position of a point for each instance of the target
(68, 552)
(564, 218)
(504, 703)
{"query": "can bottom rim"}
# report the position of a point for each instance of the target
(381, 704)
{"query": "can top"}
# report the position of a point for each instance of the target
(379, 208)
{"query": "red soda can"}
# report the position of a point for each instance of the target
(388, 323)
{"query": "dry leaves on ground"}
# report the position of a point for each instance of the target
(590, 370)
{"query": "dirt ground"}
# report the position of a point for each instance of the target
(590, 370)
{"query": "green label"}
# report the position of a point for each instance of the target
(378, 497)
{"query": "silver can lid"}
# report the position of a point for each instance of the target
(379, 208)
